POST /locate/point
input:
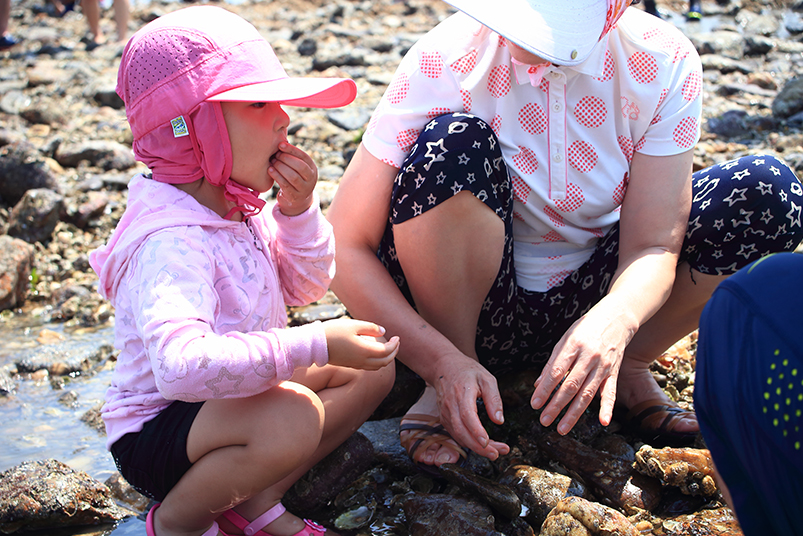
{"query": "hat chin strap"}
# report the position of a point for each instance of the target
(212, 148)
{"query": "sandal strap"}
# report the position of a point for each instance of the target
(249, 529)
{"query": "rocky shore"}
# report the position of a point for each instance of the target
(65, 161)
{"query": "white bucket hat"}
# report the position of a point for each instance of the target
(563, 32)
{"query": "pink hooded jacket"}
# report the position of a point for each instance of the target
(200, 301)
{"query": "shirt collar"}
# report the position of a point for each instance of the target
(592, 66)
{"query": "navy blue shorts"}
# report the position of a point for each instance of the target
(741, 210)
(154, 459)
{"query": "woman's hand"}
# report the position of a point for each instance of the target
(296, 174)
(458, 388)
(359, 345)
(586, 360)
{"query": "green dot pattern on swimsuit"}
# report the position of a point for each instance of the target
(783, 398)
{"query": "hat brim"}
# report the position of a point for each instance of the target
(303, 92)
(562, 32)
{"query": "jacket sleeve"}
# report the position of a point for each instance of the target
(177, 305)
(304, 250)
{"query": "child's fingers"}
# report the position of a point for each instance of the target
(368, 329)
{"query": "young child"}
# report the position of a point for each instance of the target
(216, 408)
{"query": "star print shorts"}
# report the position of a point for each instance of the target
(741, 210)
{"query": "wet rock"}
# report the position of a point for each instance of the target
(16, 260)
(311, 313)
(575, 516)
(609, 477)
(691, 470)
(331, 475)
(100, 153)
(499, 496)
(714, 522)
(540, 490)
(790, 100)
(49, 494)
(447, 515)
(7, 384)
(725, 43)
(125, 494)
(34, 218)
(62, 359)
(23, 168)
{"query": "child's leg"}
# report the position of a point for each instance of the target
(349, 397)
(238, 448)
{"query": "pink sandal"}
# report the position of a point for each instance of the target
(212, 531)
(250, 529)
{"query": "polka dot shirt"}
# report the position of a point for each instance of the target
(568, 135)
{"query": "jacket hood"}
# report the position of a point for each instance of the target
(152, 206)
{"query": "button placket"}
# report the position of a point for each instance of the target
(557, 136)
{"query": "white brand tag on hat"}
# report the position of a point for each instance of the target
(179, 127)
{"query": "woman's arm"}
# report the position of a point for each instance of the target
(652, 226)
(359, 214)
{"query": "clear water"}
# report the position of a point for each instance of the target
(38, 426)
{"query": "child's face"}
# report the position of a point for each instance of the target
(255, 131)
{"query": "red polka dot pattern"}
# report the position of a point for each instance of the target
(431, 64)
(642, 67)
(656, 119)
(555, 217)
(685, 133)
(406, 138)
(465, 64)
(388, 162)
(640, 144)
(525, 160)
(521, 191)
(496, 124)
(590, 112)
(465, 95)
(609, 68)
(544, 85)
(502, 42)
(398, 89)
(574, 199)
(619, 192)
(499, 81)
(557, 279)
(582, 156)
(626, 145)
(552, 236)
(669, 43)
(532, 118)
(435, 112)
(692, 86)
(517, 215)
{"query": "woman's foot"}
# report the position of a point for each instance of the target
(423, 436)
(650, 409)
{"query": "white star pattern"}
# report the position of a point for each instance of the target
(417, 209)
(471, 178)
(431, 199)
(727, 269)
(758, 161)
(794, 215)
(731, 199)
(704, 204)
(717, 254)
(746, 220)
(457, 188)
(727, 165)
(694, 224)
(463, 159)
(739, 175)
(441, 177)
(419, 181)
(775, 170)
(476, 144)
(764, 188)
(782, 195)
(766, 216)
(492, 142)
(435, 157)
(432, 124)
(746, 250)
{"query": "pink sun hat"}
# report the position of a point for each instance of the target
(206, 53)
(563, 32)
(174, 73)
